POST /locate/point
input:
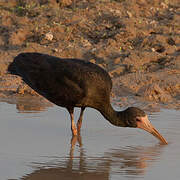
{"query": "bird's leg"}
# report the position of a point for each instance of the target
(79, 123)
(74, 140)
(79, 139)
(73, 143)
(73, 125)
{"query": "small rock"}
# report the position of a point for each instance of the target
(55, 50)
(158, 48)
(129, 14)
(153, 50)
(92, 61)
(49, 36)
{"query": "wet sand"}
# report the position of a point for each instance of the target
(38, 145)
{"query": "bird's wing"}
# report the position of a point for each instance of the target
(52, 79)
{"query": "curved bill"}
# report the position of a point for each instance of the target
(144, 123)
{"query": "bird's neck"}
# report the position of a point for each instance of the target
(114, 117)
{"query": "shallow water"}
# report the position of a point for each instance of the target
(37, 145)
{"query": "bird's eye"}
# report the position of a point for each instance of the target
(138, 120)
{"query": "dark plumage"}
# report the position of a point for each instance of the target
(74, 83)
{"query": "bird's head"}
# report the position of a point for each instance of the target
(137, 118)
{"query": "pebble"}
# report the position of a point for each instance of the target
(49, 36)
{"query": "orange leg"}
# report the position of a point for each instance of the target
(79, 123)
(74, 140)
(73, 125)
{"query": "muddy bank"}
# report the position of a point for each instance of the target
(137, 42)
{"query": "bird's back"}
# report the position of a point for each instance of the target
(65, 82)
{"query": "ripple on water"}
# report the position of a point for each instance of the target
(40, 144)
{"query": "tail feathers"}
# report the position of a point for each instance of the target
(18, 60)
(12, 69)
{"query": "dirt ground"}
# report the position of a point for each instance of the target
(136, 41)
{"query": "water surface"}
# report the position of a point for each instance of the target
(37, 145)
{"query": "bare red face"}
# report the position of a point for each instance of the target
(144, 123)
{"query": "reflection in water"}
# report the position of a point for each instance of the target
(128, 161)
(29, 103)
(134, 160)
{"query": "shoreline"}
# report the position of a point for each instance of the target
(141, 54)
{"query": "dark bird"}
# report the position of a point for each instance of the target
(74, 83)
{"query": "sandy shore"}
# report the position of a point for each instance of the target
(137, 42)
